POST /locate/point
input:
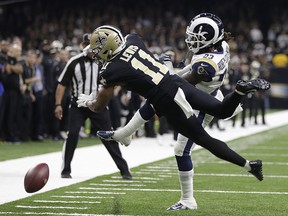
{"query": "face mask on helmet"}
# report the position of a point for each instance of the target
(106, 42)
(204, 30)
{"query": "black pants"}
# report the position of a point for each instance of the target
(102, 122)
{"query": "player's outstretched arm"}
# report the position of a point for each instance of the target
(96, 104)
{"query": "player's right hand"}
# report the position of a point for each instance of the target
(85, 100)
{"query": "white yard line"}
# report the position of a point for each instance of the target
(66, 202)
(55, 213)
(93, 161)
(175, 190)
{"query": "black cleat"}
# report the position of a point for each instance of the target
(256, 169)
(106, 135)
(127, 176)
(245, 87)
(66, 175)
(109, 135)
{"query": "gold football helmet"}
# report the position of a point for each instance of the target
(106, 42)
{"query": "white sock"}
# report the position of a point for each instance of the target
(135, 122)
(247, 166)
(186, 183)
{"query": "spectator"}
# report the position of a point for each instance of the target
(14, 89)
(29, 79)
(38, 104)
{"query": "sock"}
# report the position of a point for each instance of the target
(186, 182)
(247, 166)
(135, 122)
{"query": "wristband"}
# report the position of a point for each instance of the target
(57, 105)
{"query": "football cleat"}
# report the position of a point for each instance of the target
(123, 141)
(127, 176)
(66, 175)
(180, 206)
(245, 87)
(106, 135)
(109, 135)
(256, 169)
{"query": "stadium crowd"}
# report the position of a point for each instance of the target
(39, 37)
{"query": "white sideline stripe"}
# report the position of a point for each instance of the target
(83, 192)
(64, 201)
(236, 175)
(50, 207)
(84, 197)
(56, 213)
(200, 191)
(242, 192)
(120, 181)
(118, 185)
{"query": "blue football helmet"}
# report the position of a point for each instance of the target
(204, 30)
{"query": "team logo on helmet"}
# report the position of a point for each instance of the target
(100, 41)
(106, 42)
(203, 31)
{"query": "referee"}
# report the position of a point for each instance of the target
(81, 74)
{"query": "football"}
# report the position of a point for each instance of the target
(36, 178)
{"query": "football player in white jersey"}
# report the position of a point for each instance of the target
(208, 68)
(207, 40)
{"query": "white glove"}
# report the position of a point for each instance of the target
(86, 100)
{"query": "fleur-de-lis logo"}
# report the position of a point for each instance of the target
(102, 81)
(100, 41)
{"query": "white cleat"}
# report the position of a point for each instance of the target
(180, 206)
(110, 135)
(126, 141)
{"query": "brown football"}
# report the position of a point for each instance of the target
(36, 178)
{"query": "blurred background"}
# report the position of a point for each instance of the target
(46, 34)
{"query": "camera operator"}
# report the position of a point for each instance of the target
(12, 71)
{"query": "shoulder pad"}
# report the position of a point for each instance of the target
(205, 67)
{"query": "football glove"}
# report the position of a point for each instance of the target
(86, 100)
(164, 58)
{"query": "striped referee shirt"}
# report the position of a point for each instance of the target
(82, 74)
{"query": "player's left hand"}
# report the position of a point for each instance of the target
(86, 100)
(165, 57)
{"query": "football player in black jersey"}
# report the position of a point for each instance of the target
(207, 40)
(127, 62)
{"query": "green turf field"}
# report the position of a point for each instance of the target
(220, 188)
